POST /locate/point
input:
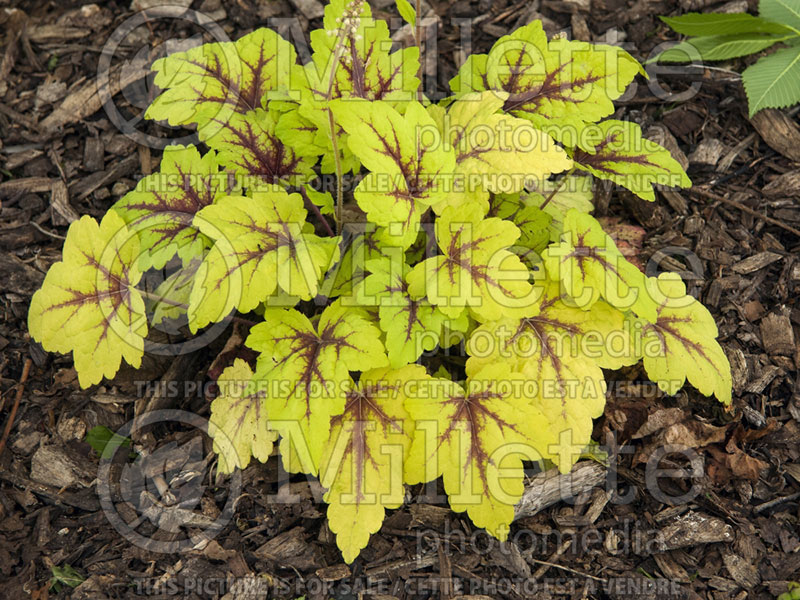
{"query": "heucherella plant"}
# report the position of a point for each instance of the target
(430, 294)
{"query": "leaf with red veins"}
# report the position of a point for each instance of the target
(475, 269)
(362, 463)
(249, 146)
(681, 344)
(408, 164)
(476, 438)
(88, 304)
(561, 350)
(623, 156)
(162, 206)
(211, 83)
(304, 372)
(557, 85)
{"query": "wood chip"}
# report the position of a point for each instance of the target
(779, 132)
(311, 9)
(759, 385)
(334, 573)
(88, 99)
(786, 185)
(61, 212)
(692, 529)
(777, 334)
(707, 153)
(54, 465)
(93, 153)
(742, 571)
(10, 189)
(551, 486)
(756, 262)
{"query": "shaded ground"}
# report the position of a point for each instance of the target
(738, 538)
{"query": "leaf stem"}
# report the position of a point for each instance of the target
(557, 188)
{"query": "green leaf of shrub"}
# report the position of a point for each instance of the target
(773, 81)
(717, 24)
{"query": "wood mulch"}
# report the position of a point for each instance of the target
(735, 236)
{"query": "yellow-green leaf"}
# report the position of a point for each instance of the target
(88, 304)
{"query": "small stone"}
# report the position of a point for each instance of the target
(120, 188)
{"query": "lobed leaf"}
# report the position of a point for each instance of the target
(589, 266)
(238, 423)
(559, 349)
(476, 438)
(407, 173)
(623, 156)
(88, 304)
(475, 269)
(362, 463)
(211, 83)
(683, 336)
(558, 85)
(304, 371)
(162, 206)
(259, 246)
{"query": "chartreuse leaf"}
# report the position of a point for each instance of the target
(555, 198)
(238, 423)
(364, 68)
(304, 371)
(475, 269)
(494, 151)
(162, 206)
(406, 159)
(412, 326)
(88, 303)
(558, 85)
(362, 463)
(681, 343)
(359, 245)
(259, 246)
(589, 266)
(533, 223)
(210, 83)
(249, 146)
(407, 11)
(623, 156)
(559, 349)
(170, 300)
(774, 81)
(476, 438)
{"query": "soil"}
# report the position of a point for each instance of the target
(734, 236)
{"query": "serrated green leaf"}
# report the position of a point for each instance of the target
(322, 200)
(475, 269)
(623, 156)
(681, 343)
(533, 224)
(362, 464)
(708, 24)
(784, 12)
(88, 304)
(66, 575)
(476, 438)
(589, 266)
(556, 198)
(238, 424)
(259, 246)
(303, 371)
(210, 83)
(407, 11)
(162, 206)
(720, 47)
(774, 81)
